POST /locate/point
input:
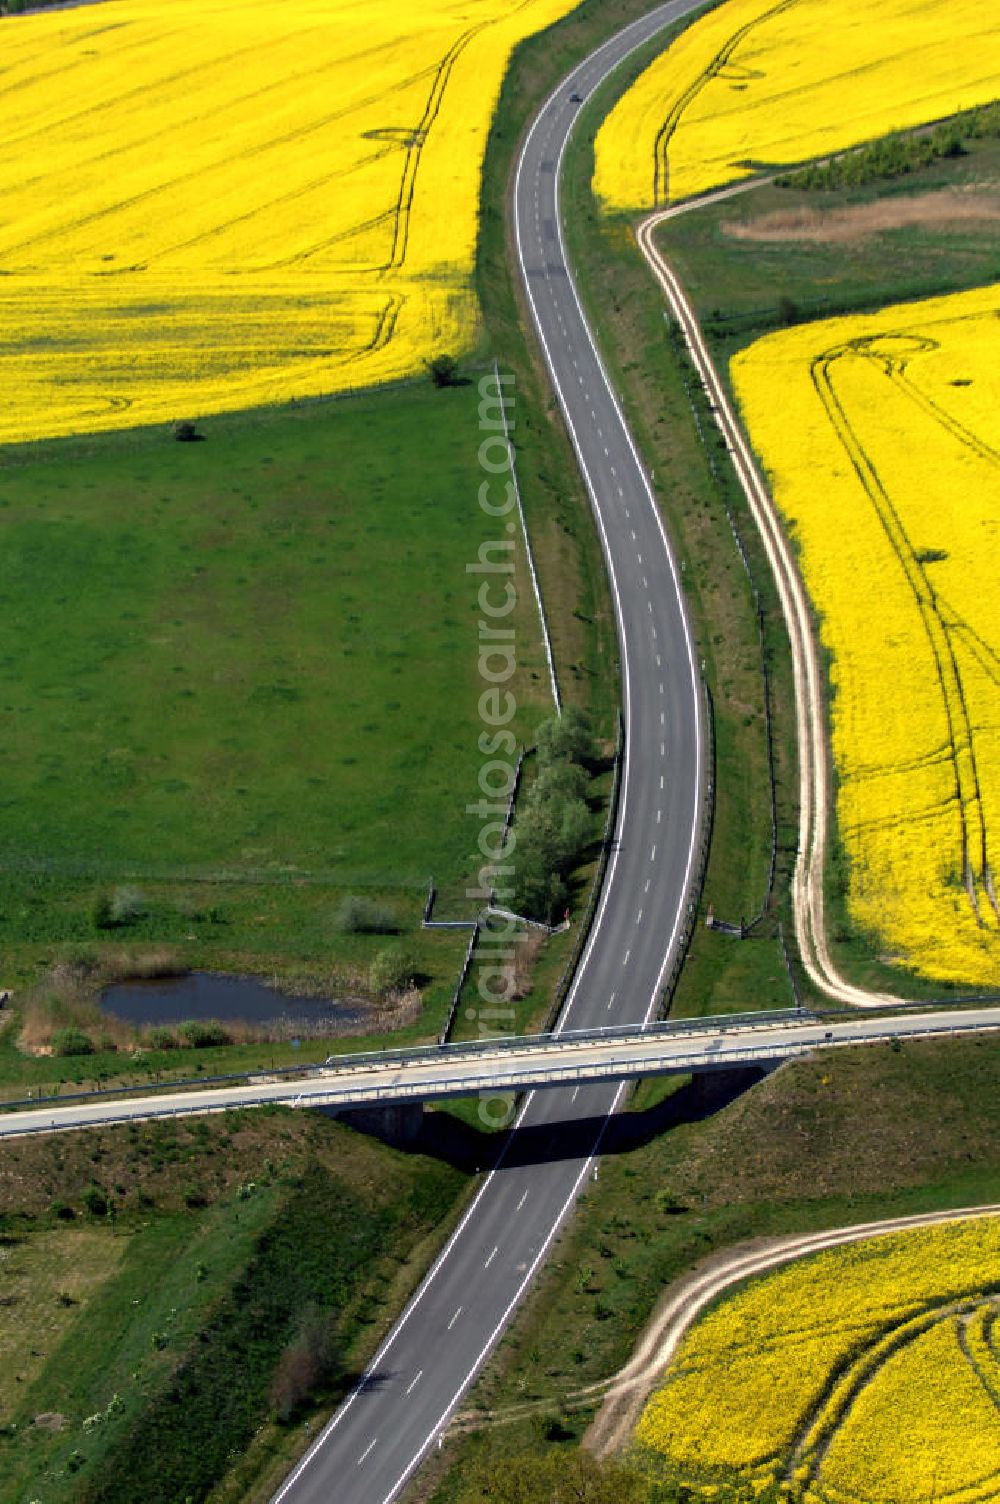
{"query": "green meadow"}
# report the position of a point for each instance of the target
(242, 674)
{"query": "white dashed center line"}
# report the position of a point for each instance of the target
(454, 1318)
(414, 1382)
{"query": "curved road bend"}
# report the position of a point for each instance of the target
(379, 1435)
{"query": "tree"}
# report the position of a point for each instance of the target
(308, 1363)
(569, 737)
(444, 370)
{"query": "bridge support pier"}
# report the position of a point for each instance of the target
(396, 1123)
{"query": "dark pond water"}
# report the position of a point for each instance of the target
(202, 995)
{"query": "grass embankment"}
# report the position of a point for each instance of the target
(780, 255)
(848, 1138)
(160, 1278)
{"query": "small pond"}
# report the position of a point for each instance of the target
(204, 995)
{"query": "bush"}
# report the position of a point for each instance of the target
(366, 916)
(112, 911)
(127, 905)
(306, 1365)
(162, 1039)
(202, 1033)
(185, 432)
(72, 1041)
(101, 912)
(391, 971)
(443, 370)
(568, 737)
(96, 1202)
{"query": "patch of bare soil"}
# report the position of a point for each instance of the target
(860, 221)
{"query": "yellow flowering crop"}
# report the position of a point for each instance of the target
(217, 203)
(864, 1375)
(757, 83)
(884, 457)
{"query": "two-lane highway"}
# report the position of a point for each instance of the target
(377, 1438)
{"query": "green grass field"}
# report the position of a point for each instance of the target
(148, 1335)
(219, 658)
(241, 676)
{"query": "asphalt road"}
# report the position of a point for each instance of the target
(378, 1437)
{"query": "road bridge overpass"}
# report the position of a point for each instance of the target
(540, 1062)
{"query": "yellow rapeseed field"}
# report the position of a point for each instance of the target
(865, 1375)
(884, 457)
(757, 83)
(210, 204)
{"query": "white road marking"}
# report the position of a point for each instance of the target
(652, 854)
(414, 1382)
(454, 1318)
(575, 1090)
(523, 1199)
(366, 1451)
(638, 917)
(492, 1257)
(646, 888)
(627, 954)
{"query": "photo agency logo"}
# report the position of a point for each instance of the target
(496, 565)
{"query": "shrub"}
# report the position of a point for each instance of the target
(392, 970)
(366, 916)
(443, 370)
(127, 905)
(72, 1041)
(185, 432)
(306, 1365)
(162, 1039)
(569, 737)
(101, 912)
(95, 1201)
(202, 1033)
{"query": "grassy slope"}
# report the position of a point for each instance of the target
(175, 1301)
(858, 1135)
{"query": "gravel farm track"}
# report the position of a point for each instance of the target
(814, 772)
